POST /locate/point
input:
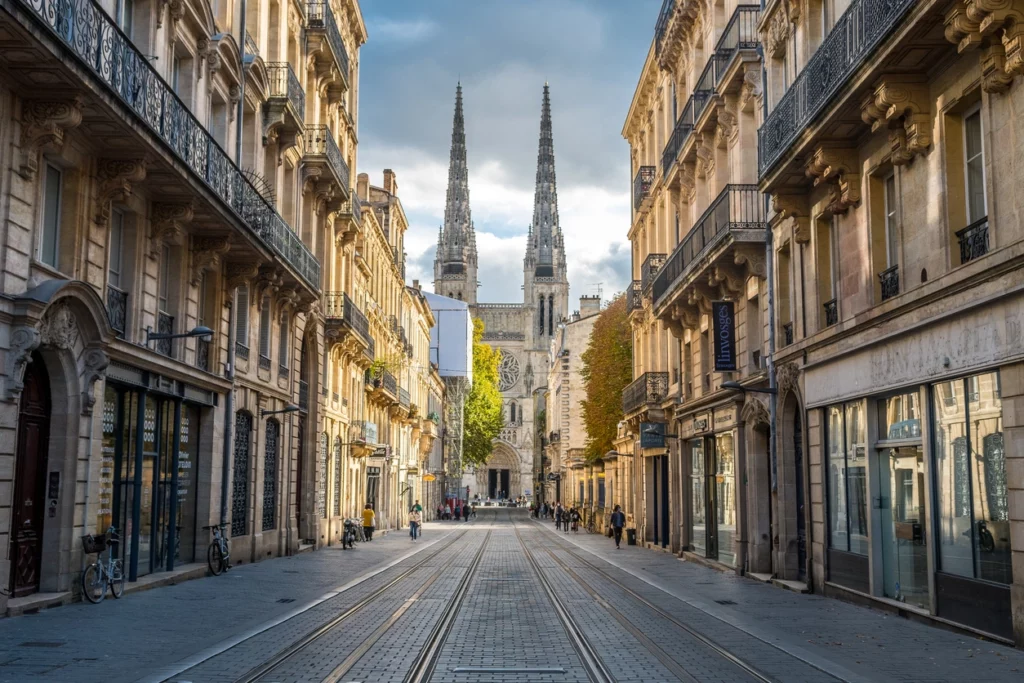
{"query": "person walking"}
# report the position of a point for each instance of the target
(368, 521)
(415, 518)
(458, 511)
(575, 517)
(558, 518)
(618, 521)
(467, 511)
(416, 506)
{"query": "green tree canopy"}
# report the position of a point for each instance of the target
(483, 419)
(607, 369)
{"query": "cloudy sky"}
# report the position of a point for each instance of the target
(591, 53)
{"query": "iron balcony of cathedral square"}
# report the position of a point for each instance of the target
(326, 49)
(646, 393)
(713, 261)
(326, 172)
(161, 146)
(345, 324)
(285, 109)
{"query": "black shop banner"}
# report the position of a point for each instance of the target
(725, 335)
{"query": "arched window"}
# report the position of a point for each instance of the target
(270, 459)
(240, 474)
(541, 314)
(512, 412)
(551, 314)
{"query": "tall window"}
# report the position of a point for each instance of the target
(49, 245)
(242, 316)
(176, 74)
(125, 11)
(265, 328)
(677, 228)
(551, 314)
(282, 343)
(203, 307)
(542, 314)
(164, 289)
(846, 450)
(974, 160)
(115, 267)
(891, 218)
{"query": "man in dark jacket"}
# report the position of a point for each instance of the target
(618, 521)
(558, 518)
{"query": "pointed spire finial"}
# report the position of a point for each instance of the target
(545, 199)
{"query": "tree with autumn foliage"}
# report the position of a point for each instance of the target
(607, 370)
(483, 417)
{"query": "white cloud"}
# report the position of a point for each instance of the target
(399, 31)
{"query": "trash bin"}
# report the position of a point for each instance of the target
(630, 536)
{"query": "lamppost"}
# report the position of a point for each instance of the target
(286, 409)
(200, 331)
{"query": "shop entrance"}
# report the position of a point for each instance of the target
(902, 511)
(30, 481)
(713, 497)
(497, 483)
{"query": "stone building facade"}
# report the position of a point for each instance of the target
(897, 242)
(521, 331)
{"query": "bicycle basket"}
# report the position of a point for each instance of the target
(94, 544)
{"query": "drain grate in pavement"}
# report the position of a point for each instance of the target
(286, 600)
(42, 643)
(725, 602)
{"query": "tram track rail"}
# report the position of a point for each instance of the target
(718, 649)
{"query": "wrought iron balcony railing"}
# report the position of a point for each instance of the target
(282, 371)
(264, 362)
(338, 306)
(890, 278)
(739, 34)
(787, 333)
(203, 354)
(973, 240)
(684, 124)
(856, 34)
(648, 388)
(117, 310)
(371, 350)
(667, 7)
(389, 383)
(642, 185)
(353, 207)
(737, 207)
(634, 297)
(649, 270)
(831, 313)
(282, 83)
(241, 350)
(165, 325)
(91, 35)
(319, 16)
(403, 397)
(320, 143)
(251, 48)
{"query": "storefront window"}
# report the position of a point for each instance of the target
(698, 523)
(847, 478)
(970, 474)
(725, 497)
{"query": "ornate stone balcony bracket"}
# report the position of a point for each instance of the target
(901, 104)
(43, 125)
(995, 27)
(169, 223)
(750, 91)
(268, 281)
(206, 254)
(115, 183)
(240, 273)
(837, 167)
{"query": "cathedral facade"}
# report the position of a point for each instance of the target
(522, 331)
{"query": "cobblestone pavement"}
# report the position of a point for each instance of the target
(467, 604)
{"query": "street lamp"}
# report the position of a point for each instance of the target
(286, 409)
(736, 386)
(200, 331)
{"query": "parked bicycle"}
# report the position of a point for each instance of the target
(218, 555)
(591, 525)
(101, 574)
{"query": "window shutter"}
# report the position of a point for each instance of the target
(242, 319)
(265, 328)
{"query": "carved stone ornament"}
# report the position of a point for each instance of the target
(44, 123)
(778, 33)
(994, 78)
(750, 91)
(94, 368)
(755, 413)
(169, 221)
(787, 375)
(59, 328)
(240, 273)
(705, 156)
(727, 129)
(687, 182)
(838, 167)
(789, 205)
(206, 254)
(754, 261)
(724, 278)
(115, 183)
(24, 340)
(268, 281)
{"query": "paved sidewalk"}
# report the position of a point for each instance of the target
(853, 642)
(126, 639)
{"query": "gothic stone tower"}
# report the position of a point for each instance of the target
(455, 264)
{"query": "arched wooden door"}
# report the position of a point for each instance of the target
(30, 479)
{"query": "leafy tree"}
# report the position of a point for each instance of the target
(483, 414)
(607, 369)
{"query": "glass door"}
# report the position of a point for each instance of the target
(698, 502)
(725, 497)
(151, 428)
(903, 524)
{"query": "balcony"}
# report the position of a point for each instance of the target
(344, 323)
(649, 270)
(642, 188)
(403, 398)
(350, 219)
(324, 160)
(853, 38)
(973, 240)
(241, 351)
(383, 385)
(634, 297)
(734, 218)
(739, 34)
(285, 109)
(325, 46)
(831, 313)
(264, 363)
(117, 310)
(667, 7)
(684, 124)
(890, 280)
(650, 389)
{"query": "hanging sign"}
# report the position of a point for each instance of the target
(429, 477)
(725, 336)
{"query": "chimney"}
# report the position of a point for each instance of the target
(390, 184)
(589, 305)
(363, 186)
(416, 285)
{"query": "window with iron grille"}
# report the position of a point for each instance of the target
(321, 495)
(270, 459)
(337, 477)
(240, 475)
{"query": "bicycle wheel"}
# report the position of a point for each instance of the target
(215, 558)
(117, 579)
(94, 584)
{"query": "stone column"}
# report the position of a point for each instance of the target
(1012, 388)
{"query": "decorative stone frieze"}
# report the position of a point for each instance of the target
(44, 123)
(115, 183)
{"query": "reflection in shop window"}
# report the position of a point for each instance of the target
(846, 440)
(970, 478)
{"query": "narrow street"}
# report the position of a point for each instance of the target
(502, 598)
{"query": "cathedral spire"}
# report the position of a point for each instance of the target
(458, 222)
(546, 231)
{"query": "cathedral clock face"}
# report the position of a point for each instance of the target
(508, 371)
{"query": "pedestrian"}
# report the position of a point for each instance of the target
(558, 517)
(416, 506)
(575, 517)
(458, 511)
(440, 513)
(414, 524)
(368, 521)
(466, 511)
(618, 521)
